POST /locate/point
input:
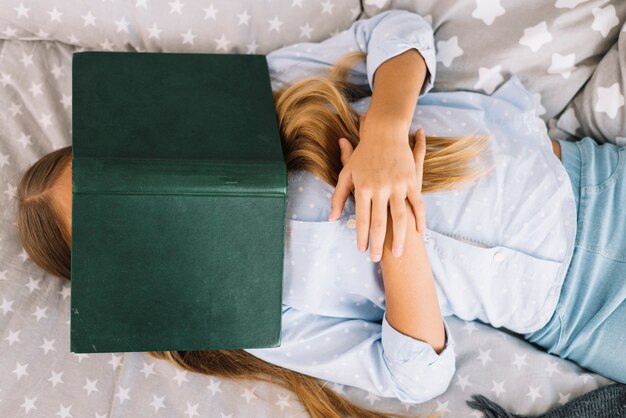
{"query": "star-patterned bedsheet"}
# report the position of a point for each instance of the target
(552, 46)
(479, 42)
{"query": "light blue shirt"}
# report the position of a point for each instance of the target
(498, 246)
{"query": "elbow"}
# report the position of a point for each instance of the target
(428, 385)
(443, 381)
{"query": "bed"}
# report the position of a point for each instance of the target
(569, 53)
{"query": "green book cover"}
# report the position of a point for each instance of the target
(178, 203)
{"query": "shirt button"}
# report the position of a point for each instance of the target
(498, 257)
(351, 223)
(426, 238)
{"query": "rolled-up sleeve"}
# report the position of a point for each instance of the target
(361, 353)
(410, 359)
(381, 37)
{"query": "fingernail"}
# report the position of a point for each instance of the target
(375, 257)
(397, 252)
(361, 248)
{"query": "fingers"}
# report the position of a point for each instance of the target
(363, 203)
(414, 193)
(398, 216)
(346, 150)
(419, 151)
(378, 227)
(344, 183)
(417, 203)
(419, 148)
(340, 195)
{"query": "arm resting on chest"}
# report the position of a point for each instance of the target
(412, 307)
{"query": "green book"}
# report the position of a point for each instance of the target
(178, 203)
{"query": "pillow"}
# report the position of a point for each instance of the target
(598, 110)
(552, 46)
(219, 26)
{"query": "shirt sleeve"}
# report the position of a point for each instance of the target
(382, 36)
(364, 354)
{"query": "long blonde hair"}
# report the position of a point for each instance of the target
(312, 114)
(315, 112)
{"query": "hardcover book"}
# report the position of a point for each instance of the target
(178, 203)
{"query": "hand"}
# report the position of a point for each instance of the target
(400, 214)
(384, 153)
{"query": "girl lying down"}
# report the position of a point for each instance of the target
(522, 232)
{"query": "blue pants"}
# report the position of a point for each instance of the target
(589, 324)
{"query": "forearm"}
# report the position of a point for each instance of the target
(397, 85)
(411, 298)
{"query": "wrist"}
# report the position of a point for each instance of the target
(387, 126)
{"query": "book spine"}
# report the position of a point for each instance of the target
(143, 176)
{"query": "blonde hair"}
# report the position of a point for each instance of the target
(315, 112)
(312, 114)
(42, 232)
